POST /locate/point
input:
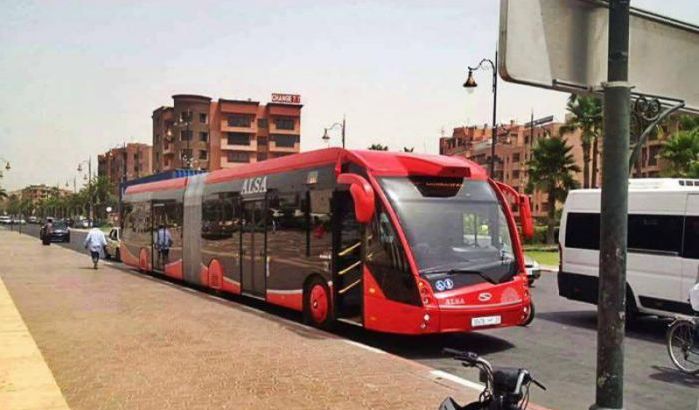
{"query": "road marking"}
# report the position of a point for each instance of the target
(363, 346)
(440, 374)
(26, 380)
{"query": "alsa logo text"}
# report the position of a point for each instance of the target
(254, 185)
(454, 301)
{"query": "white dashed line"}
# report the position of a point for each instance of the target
(440, 374)
(363, 346)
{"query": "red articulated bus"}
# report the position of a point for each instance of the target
(394, 242)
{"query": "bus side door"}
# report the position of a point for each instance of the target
(690, 251)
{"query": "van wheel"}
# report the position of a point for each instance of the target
(317, 308)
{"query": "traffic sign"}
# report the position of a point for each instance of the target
(562, 45)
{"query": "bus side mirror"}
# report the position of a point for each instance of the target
(525, 213)
(362, 194)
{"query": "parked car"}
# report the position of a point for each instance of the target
(5, 220)
(533, 269)
(111, 251)
(59, 233)
(33, 220)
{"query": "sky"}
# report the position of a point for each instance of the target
(78, 78)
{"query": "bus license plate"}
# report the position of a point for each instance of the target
(485, 321)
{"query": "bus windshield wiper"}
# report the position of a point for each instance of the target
(474, 272)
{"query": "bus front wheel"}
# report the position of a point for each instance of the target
(317, 308)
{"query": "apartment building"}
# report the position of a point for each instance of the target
(514, 145)
(199, 133)
(132, 160)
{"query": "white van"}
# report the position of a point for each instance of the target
(663, 245)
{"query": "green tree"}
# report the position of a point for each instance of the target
(682, 152)
(3, 193)
(378, 147)
(551, 170)
(586, 115)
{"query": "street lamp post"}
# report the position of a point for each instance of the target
(89, 184)
(470, 84)
(7, 165)
(186, 121)
(342, 125)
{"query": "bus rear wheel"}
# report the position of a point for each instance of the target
(317, 307)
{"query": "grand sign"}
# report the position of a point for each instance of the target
(286, 98)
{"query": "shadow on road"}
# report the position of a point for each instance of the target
(648, 328)
(674, 376)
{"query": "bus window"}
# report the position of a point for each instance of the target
(387, 261)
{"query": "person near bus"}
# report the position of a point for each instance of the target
(95, 242)
(163, 242)
(45, 233)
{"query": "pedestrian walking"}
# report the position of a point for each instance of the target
(163, 242)
(95, 242)
(45, 232)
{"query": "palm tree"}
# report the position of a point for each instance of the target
(378, 147)
(586, 115)
(551, 170)
(682, 151)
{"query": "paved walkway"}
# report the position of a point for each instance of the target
(25, 380)
(118, 339)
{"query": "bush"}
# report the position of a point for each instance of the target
(540, 235)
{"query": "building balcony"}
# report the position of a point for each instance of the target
(252, 129)
(273, 147)
(275, 130)
(252, 147)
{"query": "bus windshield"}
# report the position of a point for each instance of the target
(453, 226)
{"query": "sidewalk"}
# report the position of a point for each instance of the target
(116, 339)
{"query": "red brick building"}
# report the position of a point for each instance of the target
(200, 133)
(133, 160)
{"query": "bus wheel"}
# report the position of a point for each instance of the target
(530, 317)
(316, 304)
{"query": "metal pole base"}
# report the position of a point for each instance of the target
(596, 407)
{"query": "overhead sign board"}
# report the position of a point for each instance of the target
(286, 98)
(562, 45)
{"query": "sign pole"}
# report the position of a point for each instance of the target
(613, 216)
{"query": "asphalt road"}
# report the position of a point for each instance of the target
(559, 348)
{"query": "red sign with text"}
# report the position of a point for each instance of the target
(286, 98)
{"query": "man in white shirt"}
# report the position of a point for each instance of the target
(95, 242)
(163, 242)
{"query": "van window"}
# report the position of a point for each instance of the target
(691, 237)
(582, 231)
(655, 233)
(646, 233)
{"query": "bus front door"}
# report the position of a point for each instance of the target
(347, 254)
(253, 272)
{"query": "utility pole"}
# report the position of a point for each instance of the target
(343, 131)
(613, 217)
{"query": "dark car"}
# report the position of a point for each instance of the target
(60, 232)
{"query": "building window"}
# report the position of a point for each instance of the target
(203, 118)
(262, 123)
(203, 155)
(653, 155)
(237, 120)
(238, 156)
(185, 135)
(515, 173)
(186, 154)
(204, 136)
(261, 140)
(286, 141)
(261, 156)
(284, 123)
(515, 157)
(238, 138)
